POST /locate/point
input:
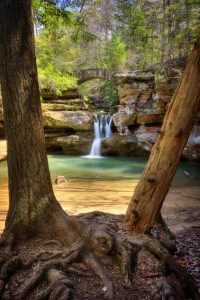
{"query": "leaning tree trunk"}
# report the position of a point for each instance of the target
(152, 188)
(31, 197)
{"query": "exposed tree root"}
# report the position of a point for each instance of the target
(67, 257)
(60, 287)
(10, 266)
(53, 268)
(99, 270)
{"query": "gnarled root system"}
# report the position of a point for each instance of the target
(54, 271)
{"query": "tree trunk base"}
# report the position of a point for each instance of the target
(107, 263)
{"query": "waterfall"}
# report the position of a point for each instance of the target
(102, 130)
(194, 137)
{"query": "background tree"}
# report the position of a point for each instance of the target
(117, 35)
(57, 57)
(161, 29)
(30, 189)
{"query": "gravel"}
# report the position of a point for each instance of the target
(188, 252)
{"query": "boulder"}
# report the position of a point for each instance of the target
(61, 179)
(122, 145)
(147, 134)
(78, 120)
(72, 144)
(125, 116)
(150, 116)
(146, 137)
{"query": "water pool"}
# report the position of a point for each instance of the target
(111, 168)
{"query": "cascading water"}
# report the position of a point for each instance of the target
(102, 130)
(194, 137)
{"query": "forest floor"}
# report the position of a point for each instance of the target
(180, 210)
(148, 274)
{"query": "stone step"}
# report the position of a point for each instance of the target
(64, 101)
(69, 94)
(62, 107)
(54, 134)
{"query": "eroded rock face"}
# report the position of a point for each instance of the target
(148, 97)
(77, 144)
(122, 145)
(51, 95)
(150, 116)
(78, 120)
(136, 90)
(147, 134)
(146, 137)
(126, 115)
(143, 103)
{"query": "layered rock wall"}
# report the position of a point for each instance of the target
(68, 124)
(143, 101)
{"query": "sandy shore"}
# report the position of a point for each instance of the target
(181, 208)
(3, 150)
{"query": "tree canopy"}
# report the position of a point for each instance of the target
(114, 34)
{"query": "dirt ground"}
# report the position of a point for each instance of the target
(181, 208)
(147, 275)
(3, 150)
(181, 212)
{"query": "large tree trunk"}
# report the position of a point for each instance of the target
(31, 197)
(152, 188)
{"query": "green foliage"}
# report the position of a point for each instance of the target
(56, 56)
(112, 34)
(114, 55)
(109, 94)
(48, 12)
(155, 31)
(99, 89)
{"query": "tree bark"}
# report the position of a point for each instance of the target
(152, 188)
(31, 196)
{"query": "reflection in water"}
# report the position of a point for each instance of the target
(110, 168)
(116, 168)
